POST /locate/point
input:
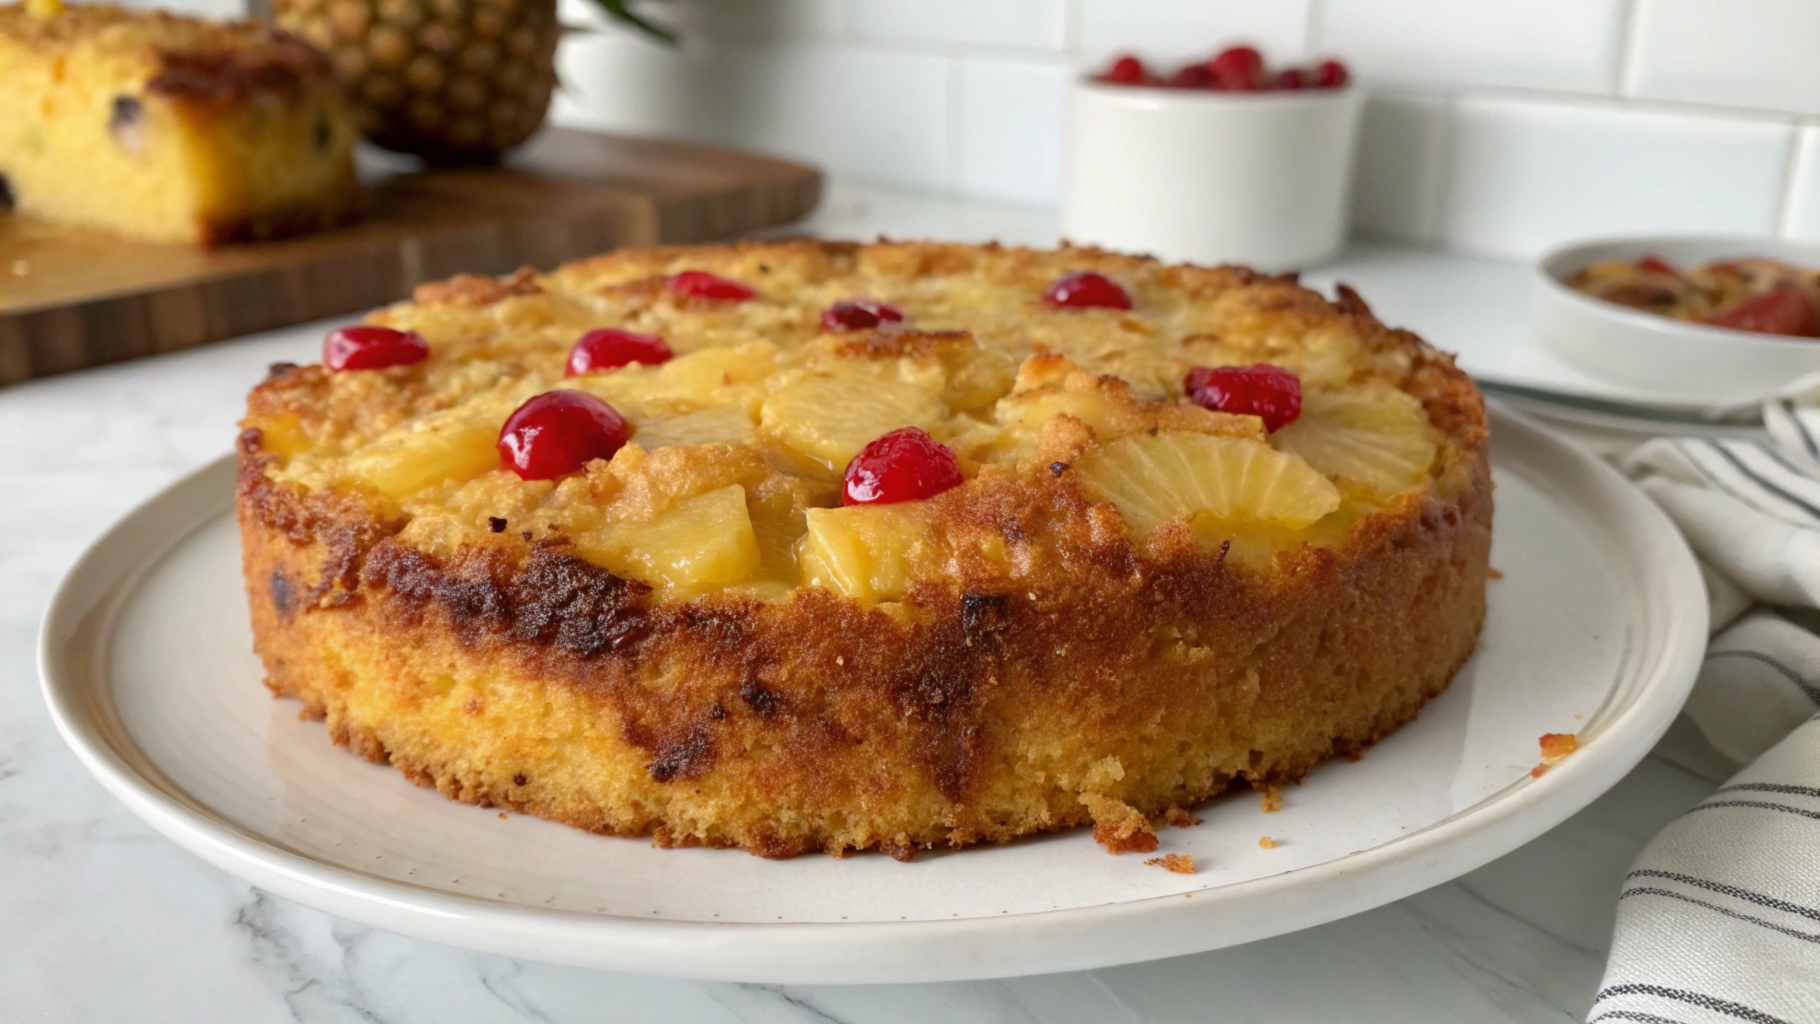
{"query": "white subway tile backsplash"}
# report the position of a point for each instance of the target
(1801, 203)
(1525, 175)
(1747, 53)
(1010, 136)
(1396, 183)
(1180, 30)
(1035, 24)
(1544, 44)
(876, 116)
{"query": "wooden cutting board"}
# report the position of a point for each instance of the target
(72, 298)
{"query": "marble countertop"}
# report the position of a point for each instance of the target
(101, 919)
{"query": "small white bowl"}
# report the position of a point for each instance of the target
(1650, 351)
(1210, 177)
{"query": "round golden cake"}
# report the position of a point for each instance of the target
(1131, 601)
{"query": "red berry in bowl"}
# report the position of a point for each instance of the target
(558, 432)
(1784, 310)
(1238, 68)
(367, 347)
(859, 314)
(699, 284)
(904, 465)
(1331, 74)
(1193, 76)
(1127, 70)
(1268, 392)
(1087, 290)
(609, 348)
(1289, 78)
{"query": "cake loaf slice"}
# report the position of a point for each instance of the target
(169, 128)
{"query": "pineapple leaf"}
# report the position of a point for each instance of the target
(619, 10)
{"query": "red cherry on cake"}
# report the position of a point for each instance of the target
(1331, 74)
(1126, 70)
(1268, 392)
(558, 432)
(699, 284)
(367, 347)
(1087, 290)
(904, 465)
(1289, 78)
(1238, 68)
(859, 314)
(610, 348)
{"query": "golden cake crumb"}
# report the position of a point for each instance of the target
(1493, 574)
(1555, 748)
(1273, 799)
(1180, 863)
(1175, 817)
(1118, 826)
(1267, 843)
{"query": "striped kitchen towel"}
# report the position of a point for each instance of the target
(1719, 919)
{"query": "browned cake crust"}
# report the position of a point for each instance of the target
(1110, 676)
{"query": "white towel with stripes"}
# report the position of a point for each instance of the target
(1719, 919)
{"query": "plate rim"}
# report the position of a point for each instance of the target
(1074, 938)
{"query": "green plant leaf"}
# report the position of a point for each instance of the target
(618, 9)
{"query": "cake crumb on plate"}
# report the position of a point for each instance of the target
(1266, 843)
(1180, 863)
(1273, 800)
(1555, 748)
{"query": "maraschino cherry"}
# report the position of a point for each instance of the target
(609, 348)
(558, 432)
(1238, 69)
(367, 347)
(904, 465)
(1126, 70)
(859, 314)
(1087, 290)
(1268, 392)
(699, 284)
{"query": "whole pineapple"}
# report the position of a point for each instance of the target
(453, 81)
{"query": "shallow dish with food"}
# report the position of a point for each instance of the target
(1648, 350)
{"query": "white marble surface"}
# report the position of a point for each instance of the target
(103, 920)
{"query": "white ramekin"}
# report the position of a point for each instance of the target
(1210, 177)
(1643, 349)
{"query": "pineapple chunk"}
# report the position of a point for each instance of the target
(713, 377)
(703, 426)
(869, 552)
(706, 540)
(1376, 441)
(831, 418)
(456, 446)
(1181, 474)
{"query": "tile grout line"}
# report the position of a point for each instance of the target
(1434, 231)
(954, 164)
(1785, 205)
(1311, 27)
(1627, 47)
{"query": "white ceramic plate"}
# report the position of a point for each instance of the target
(1596, 627)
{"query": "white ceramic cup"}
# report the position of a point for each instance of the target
(1210, 177)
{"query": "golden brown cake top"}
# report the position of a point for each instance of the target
(182, 56)
(1065, 421)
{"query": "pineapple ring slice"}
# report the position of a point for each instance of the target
(1373, 441)
(1175, 474)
